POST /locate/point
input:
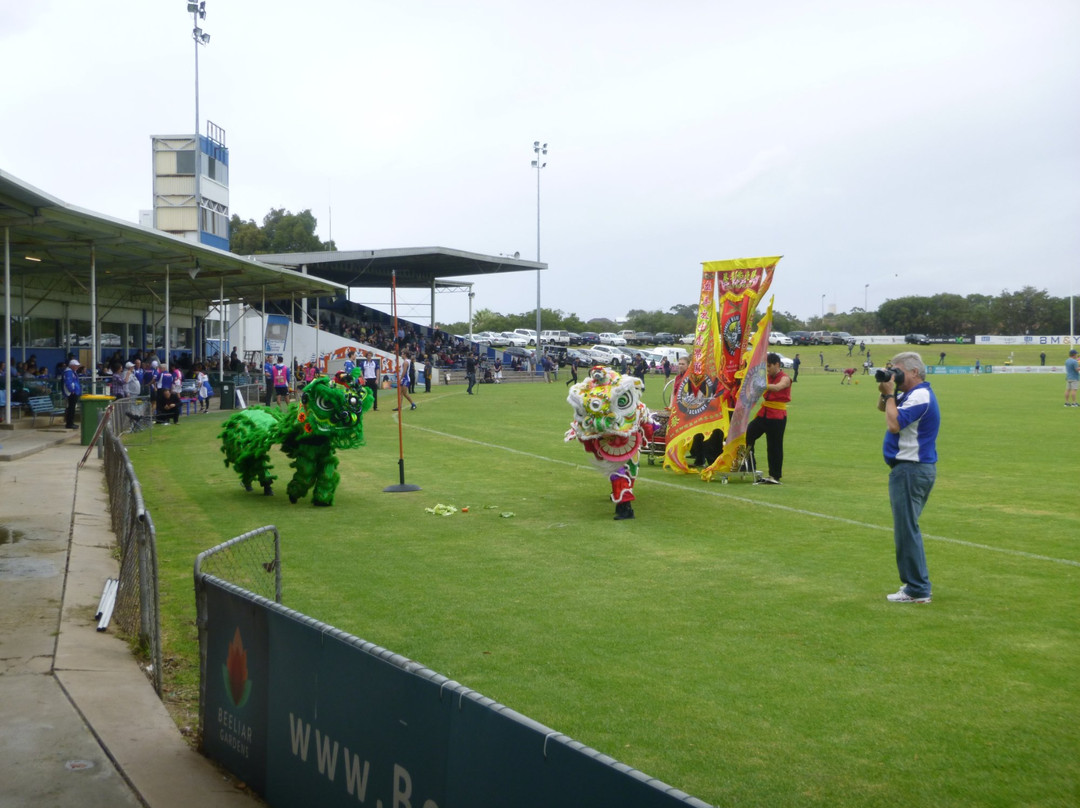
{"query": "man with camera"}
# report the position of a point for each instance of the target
(910, 448)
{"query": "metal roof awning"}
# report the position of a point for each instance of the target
(52, 244)
(415, 267)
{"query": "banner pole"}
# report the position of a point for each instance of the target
(401, 486)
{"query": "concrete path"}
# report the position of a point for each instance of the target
(80, 723)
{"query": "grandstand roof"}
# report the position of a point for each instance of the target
(52, 245)
(415, 267)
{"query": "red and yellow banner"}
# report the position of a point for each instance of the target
(704, 397)
(751, 381)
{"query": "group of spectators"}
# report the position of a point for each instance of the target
(428, 347)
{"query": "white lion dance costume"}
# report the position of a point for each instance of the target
(612, 423)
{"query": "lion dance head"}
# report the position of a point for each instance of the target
(609, 416)
(333, 408)
(612, 423)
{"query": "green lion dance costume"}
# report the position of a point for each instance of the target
(612, 423)
(329, 417)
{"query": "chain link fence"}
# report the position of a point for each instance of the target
(251, 561)
(133, 417)
(137, 610)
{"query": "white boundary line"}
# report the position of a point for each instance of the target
(721, 495)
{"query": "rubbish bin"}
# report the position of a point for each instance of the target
(227, 391)
(91, 407)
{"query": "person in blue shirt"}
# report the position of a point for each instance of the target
(912, 419)
(1072, 379)
(72, 391)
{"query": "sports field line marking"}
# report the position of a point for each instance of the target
(786, 508)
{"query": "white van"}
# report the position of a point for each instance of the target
(673, 354)
(555, 337)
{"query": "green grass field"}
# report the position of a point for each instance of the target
(733, 641)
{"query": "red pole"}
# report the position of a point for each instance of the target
(401, 486)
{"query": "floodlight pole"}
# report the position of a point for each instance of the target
(198, 11)
(540, 150)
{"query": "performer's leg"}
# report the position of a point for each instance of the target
(326, 482)
(775, 437)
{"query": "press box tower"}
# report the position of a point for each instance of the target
(194, 208)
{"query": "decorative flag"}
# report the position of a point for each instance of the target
(704, 397)
(751, 380)
(696, 405)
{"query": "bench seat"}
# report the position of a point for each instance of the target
(43, 405)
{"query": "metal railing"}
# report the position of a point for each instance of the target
(252, 561)
(137, 611)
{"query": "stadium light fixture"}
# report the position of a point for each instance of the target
(540, 150)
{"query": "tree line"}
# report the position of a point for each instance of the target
(1027, 311)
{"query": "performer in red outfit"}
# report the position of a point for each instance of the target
(771, 420)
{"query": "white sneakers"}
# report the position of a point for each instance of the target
(902, 596)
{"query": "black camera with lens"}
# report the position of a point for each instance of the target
(884, 374)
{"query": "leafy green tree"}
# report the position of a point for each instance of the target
(281, 232)
(1025, 312)
(980, 315)
(1058, 316)
(785, 321)
(246, 238)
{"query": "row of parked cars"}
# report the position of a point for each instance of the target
(811, 338)
(523, 337)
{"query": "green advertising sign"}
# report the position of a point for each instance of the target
(309, 715)
(237, 677)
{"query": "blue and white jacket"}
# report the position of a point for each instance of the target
(919, 419)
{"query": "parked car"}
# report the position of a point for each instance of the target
(593, 357)
(841, 338)
(917, 339)
(785, 363)
(779, 338)
(607, 338)
(529, 335)
(521, 353)
(801, 338)
(606, 353)
(583, 356)
(576, 339)
(483, 337)
(819, 338)
(555, 337)
(560, 353)
(510, 338)
(589, 337)
(106, 340)
(687, 339)
(645, 338)
(663, 337)
(629, 336)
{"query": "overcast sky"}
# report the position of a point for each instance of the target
(918, 147)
